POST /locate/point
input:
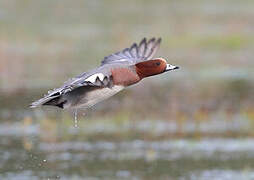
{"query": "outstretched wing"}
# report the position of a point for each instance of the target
(130, 56)
(84, 80)
(143, 51)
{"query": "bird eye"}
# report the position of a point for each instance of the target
(158, 63)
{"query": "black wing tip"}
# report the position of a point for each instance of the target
(134, 45)
(159, 40)
(157, 43)
(142, 41)
(126, 49)
(154, 40)
(134, 50)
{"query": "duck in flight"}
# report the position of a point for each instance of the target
(116, 72)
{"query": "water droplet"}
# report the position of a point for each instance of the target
(76, 118)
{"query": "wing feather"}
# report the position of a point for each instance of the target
(154, 48)
(134, 51)
(142, 48)
(126, 52)
(145, 50)
(72, 84)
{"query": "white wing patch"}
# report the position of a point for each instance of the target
(93, 78)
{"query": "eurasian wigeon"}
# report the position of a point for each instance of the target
(116, 72)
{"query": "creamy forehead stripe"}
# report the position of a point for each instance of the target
(92, 78)
(160, 58)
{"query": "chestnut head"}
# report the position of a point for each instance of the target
(153, 67)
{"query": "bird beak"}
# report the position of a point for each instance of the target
(170, 67)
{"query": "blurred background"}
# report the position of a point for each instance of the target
(193, 123)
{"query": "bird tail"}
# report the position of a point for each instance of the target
(48, 100)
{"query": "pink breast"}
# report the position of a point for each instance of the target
(124, 76)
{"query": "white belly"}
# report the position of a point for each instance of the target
(93, 97)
